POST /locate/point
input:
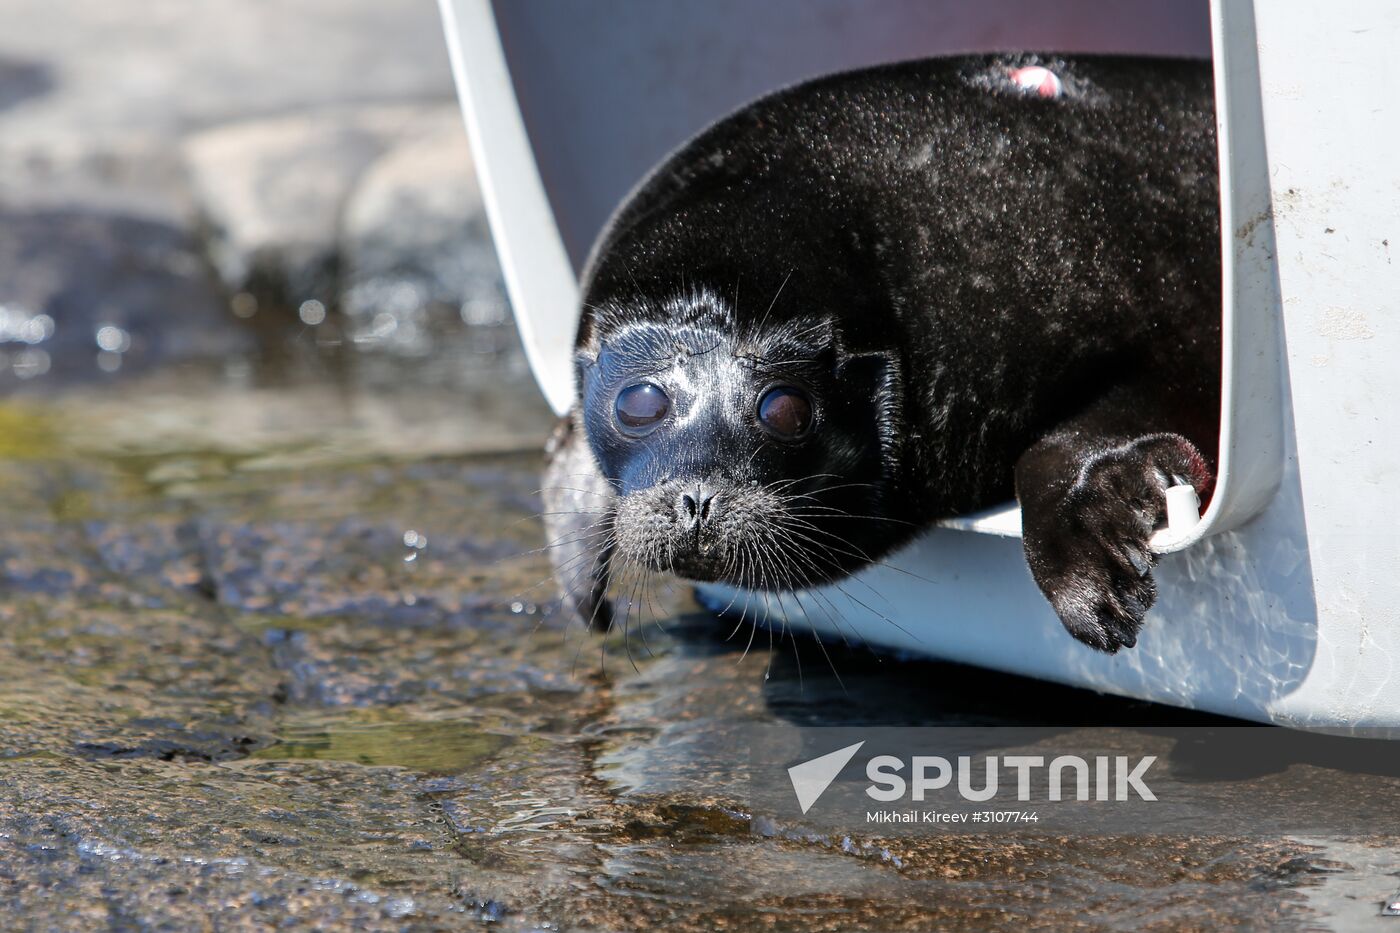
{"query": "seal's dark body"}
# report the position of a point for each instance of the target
(1038, 271)
(1022, 254)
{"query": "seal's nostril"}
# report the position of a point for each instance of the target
(695, 507)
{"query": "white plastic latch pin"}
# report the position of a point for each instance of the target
(1183, 515)
(1183, 510)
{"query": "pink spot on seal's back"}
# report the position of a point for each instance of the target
(1037, 80)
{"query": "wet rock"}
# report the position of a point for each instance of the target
(142, 178)
(214, 179)
(94, 104)
(417, 255)
(500, 668)
(272, 192)
(57, 327)
(163, 557)
(296, 570)
(122, 214)
(240, 431)
(103, 681)
(38, 559)
(170, 740)
(82, 70)
(417, 549)
(21, 79)
(142, 845)
(327, 735)
(360, 230)
(86, 530)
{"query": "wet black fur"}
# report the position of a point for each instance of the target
(989, 293)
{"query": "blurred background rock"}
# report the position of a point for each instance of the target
(249, 221)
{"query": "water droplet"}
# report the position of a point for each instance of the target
(311, 312)
(383, 325)
(109, 361)
(113, 339)
(37, 329)
(483, 312)
(244, 305)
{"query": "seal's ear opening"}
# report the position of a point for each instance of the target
(875, 381)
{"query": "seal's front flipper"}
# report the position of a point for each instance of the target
(1091, 495)
(578, 506)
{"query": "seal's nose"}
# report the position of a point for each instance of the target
(694, 507)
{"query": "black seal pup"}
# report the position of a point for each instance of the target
(878, 299)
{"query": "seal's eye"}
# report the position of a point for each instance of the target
(786, 411)
(641, 407)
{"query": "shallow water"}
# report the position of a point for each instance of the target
(282, 650)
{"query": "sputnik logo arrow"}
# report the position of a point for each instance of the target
(811, 778)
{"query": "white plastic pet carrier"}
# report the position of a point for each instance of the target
(1283, 603)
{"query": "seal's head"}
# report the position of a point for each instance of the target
(742, 449)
